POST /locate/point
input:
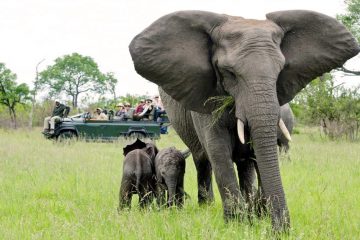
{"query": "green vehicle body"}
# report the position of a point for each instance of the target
(81, 127)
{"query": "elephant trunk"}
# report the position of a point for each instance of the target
(262, 117)
(171, 192)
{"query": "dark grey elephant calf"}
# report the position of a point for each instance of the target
(170, 170)
(138, 174)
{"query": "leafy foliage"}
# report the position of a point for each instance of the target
(335, 108)
(223, 103)
(76, 74)
(12, 94)
(351, 19)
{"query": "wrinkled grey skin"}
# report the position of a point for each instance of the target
(287, 116)
(170, 169)
(262, 64)
(138, 175)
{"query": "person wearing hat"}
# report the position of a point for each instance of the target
(140, 107)
(60, 111)
(120, 112)
(100, 115)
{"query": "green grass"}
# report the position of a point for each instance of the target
(70, 191)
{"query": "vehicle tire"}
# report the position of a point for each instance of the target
(139, 135)
(66, 136)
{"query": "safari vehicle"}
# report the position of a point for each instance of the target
(82, 126)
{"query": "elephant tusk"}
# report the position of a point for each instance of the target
(284, 129)
(240, 129)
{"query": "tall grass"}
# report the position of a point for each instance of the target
(70, 191)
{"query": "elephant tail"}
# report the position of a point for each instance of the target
(186, 153)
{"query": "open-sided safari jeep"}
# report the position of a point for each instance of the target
(83, 126)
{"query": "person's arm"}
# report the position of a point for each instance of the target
(144, 111)
(66, 112)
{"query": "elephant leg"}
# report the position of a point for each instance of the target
(204, 178)
(160, 195)
(144, 195)
(219, 147)
(246, 173)
(145, 191)
(179, 198)
(125, 194)
(220, 157)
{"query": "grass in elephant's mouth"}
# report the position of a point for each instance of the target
(222, 104)
(50, 191)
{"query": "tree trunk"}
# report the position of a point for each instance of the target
(12, 117)
(31, 115)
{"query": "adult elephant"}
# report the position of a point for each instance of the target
(262, 64)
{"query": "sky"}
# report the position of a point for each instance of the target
(36, 30)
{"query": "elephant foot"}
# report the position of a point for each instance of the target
(237, 212)
(205, 197)
(261, 208)
(280, 221)
(238, 216)
(205, 201)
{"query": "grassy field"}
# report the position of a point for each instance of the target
(60, 191)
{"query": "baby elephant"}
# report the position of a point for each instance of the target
(170, 170)
(138, 174)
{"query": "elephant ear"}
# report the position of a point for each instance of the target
(137, 144)
(151, 150)
(175, 53)
(313, 44)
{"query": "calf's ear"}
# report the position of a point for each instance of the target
(137, 144)
(151, 150)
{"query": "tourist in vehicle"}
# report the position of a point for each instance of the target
(60, 111)
(139, 109)
(159, 108)
(120, 112)
(127, 106)
(146, 113)
(100, 115)
(129, 112)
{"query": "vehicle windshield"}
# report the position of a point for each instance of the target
(80, 115)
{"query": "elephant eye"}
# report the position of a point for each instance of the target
(228, 80)
(227, 74)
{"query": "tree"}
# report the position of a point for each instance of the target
(111, 84)
(132, 99)
(336, 108)
(73, 75)
(351, 19)
(33, 93)
(12, 94)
